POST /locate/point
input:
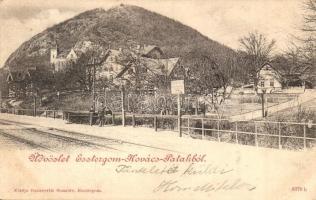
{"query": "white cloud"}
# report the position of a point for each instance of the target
(15, 31)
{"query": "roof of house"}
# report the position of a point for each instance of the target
(19, 75)
(79, 48)
(146, 49)
(156, 66)
(160, 66)
(269, 67)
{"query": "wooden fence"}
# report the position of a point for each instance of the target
(287, 135)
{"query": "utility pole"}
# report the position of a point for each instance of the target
(93, 83)
(93, 73)
(104, 89)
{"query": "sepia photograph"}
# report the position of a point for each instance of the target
(158, 99)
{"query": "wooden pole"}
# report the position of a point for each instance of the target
(218, 138)
(54, 114)
(256, 135)
(179, 115)
(34, 106)
(155, 123)
(280, 146)
(113, 119)
(188, 125)
(123, 109)
(133, 120)
(304, 136)
(91, 118)
(93, 85)
(105, 103)
(236, 133)
(203, 131)
(262, 104)
(196, 106)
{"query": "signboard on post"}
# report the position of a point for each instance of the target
(177, 87)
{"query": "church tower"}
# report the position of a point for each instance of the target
(53, 54)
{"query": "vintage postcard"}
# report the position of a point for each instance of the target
(158, 99)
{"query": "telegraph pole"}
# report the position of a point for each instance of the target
(93, 65)
(93, 83)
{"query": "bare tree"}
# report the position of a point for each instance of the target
(257, 48)
(308, 56)
(310, 17)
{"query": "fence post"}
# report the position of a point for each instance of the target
(304, 136)
(155, 123)
(218, 138)
(122, 104)
(91, 118)
(113, 119)
(256, 135)
(188, 125)
(280, 146)
(68, 117)
(54, 113)
(133, 120)
(46, 113)
(35, 102)
(203, 131)
(236, 132)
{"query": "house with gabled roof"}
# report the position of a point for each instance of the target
(273, 80)
(110, 67)
(18, 81)
(269, 78)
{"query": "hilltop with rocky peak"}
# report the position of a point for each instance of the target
(120, 26)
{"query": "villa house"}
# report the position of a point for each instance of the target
(61, 60)
(151, 66)
(273, 80)
(269, 79)
(110, 67)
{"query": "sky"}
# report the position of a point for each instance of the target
(223, 21)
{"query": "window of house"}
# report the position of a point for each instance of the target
(272, 83)
(262, 83)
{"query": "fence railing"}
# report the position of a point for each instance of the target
(289, 135)
(282, 135)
